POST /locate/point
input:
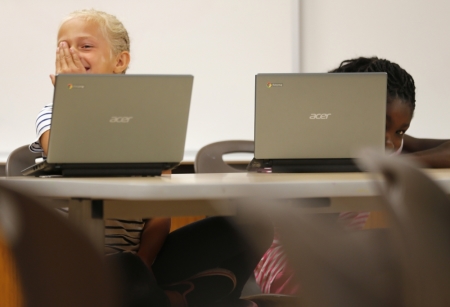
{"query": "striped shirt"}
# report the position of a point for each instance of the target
(123, 235)
(43, 123)
(120, 235)
(273, 273)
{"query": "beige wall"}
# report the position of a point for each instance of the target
(222, 43)
(413, 33)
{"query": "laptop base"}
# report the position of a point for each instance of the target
(303, 166)
(99, 169)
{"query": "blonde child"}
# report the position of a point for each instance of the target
(202, 264)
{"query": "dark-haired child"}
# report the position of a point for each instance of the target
(401, 102)
(273, 273)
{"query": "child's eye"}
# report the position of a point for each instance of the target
(86, 46)
(401, 132)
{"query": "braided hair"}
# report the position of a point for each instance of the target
(400, 84)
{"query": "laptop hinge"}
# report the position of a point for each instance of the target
(303, 165)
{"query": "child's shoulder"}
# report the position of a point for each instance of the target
(48, 106)
(46, 109)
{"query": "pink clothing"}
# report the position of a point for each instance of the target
(273, 273)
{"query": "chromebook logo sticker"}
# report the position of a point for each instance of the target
(74, 86)
(270, 84)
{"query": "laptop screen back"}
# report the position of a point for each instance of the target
(119, 118)
(319, 116)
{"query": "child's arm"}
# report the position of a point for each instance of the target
(43, 140)
(429, 152)
(412, 144)
(152, 238)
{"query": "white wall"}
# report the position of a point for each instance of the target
(222, 43)
(413, 33)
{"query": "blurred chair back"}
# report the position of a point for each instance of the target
(420, 212)
(405, 265)
(56, 264)
(10, 290)
(209, 159)
(20, 159)
(337, 267)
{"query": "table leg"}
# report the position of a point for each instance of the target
(87, 214)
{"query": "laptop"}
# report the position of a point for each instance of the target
(317, 122)
(116, 125)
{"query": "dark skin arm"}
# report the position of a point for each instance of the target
(429, 152)
(152, 239)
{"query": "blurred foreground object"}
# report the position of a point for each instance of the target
(420, 218)
(336, 267)
(56, 264)
(404, 265)
(10, 290)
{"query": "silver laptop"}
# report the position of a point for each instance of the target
(318, 122)
(117, 125)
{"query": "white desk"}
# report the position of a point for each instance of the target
(93, 199)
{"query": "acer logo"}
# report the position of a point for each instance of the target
(319, 115)
(120, 119)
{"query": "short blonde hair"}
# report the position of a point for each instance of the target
(111, 27)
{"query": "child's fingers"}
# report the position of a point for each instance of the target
(57, 61)
(52, 77)
(68, 56)
(62, 59)
(68, 60)
(77, 61)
